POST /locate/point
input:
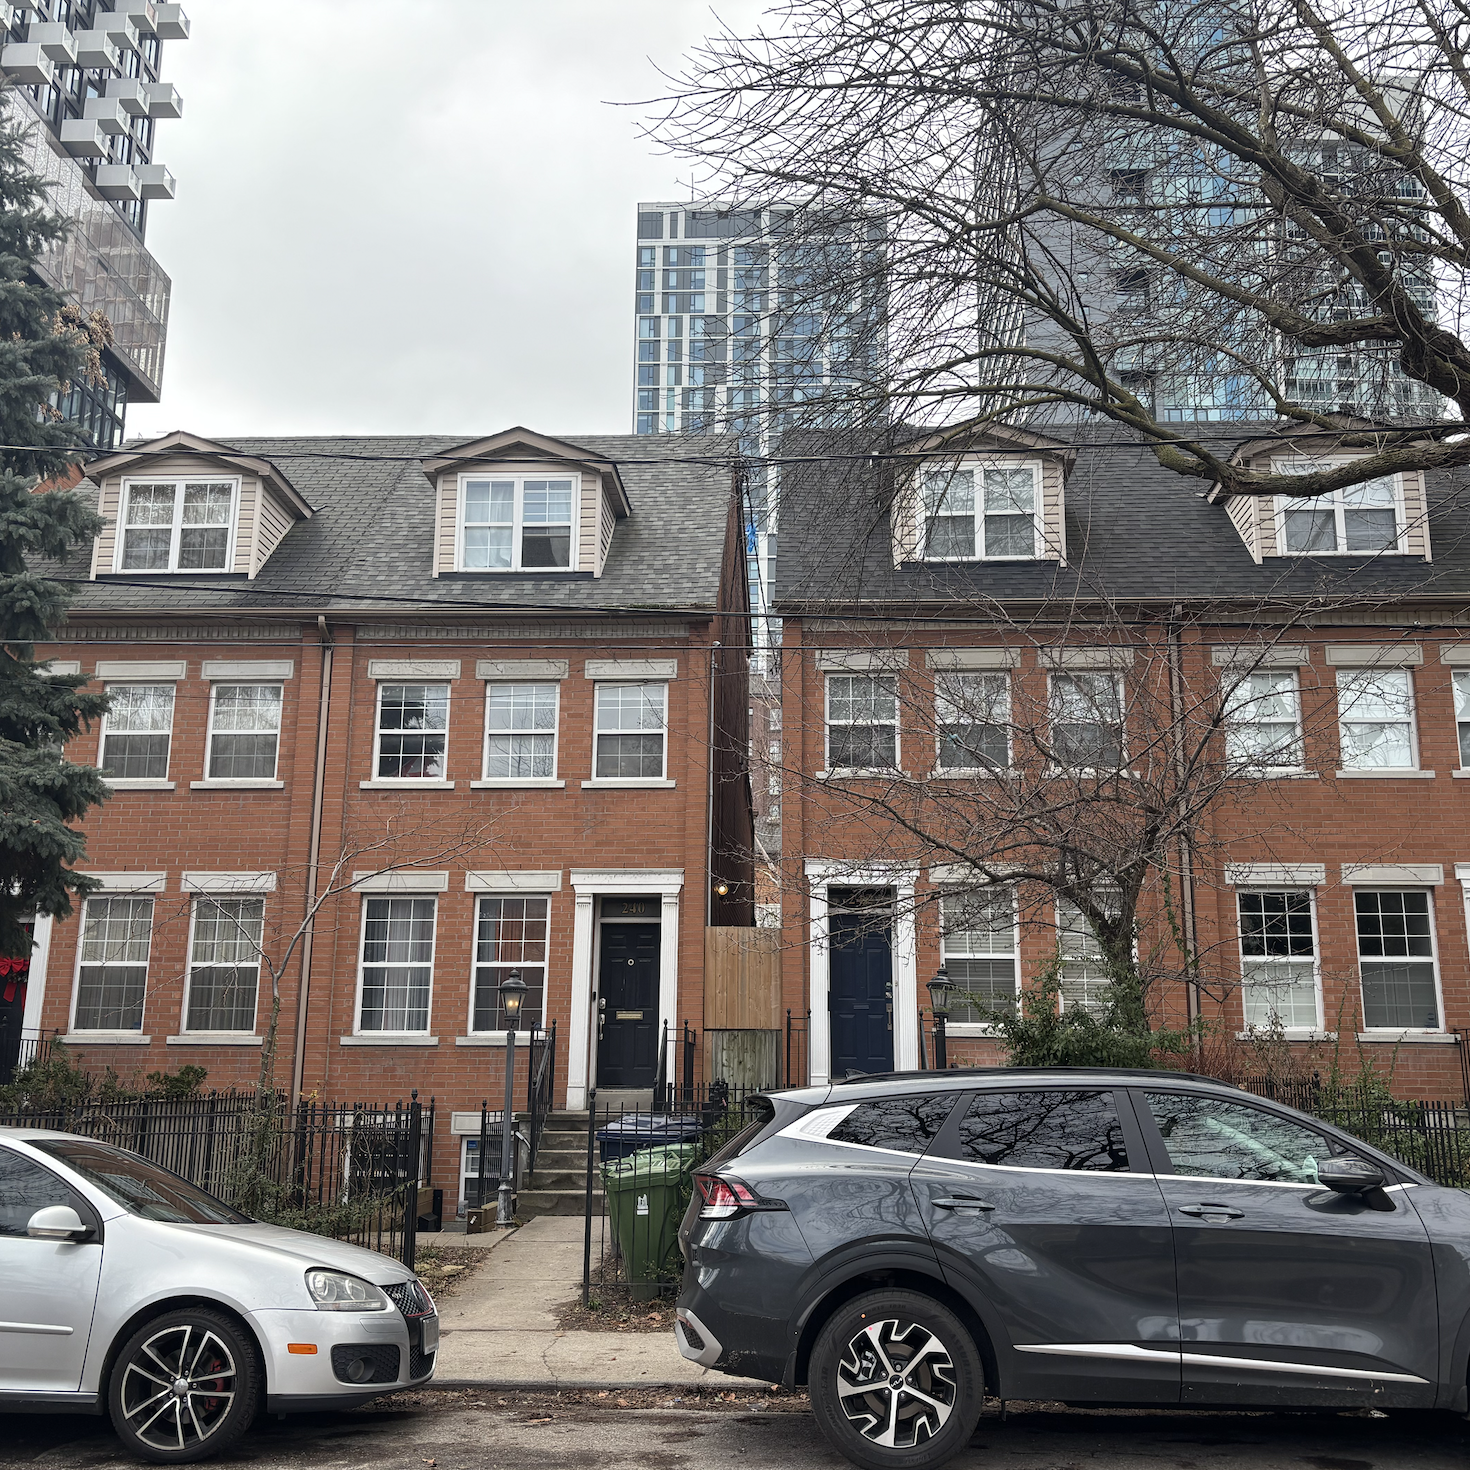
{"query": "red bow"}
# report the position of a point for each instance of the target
(18, 967)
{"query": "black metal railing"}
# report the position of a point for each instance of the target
(540, 1086)
(353, 1171)
(798, 1034)
(17, 1053)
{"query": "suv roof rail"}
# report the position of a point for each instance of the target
(1162, 1073)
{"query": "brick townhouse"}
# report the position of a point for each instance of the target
(465, 690)
(942, 608)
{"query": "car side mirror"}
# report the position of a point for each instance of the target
(1349, 1175)
(57, 1222)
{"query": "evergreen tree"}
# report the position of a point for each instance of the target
(44, 345)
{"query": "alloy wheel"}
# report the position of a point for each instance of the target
(896, 1384)
(178, 1386)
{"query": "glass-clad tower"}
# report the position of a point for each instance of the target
(87, 73)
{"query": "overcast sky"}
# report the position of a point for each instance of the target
(409, 216)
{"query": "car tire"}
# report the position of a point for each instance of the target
(185, 1386)
(928, 1381)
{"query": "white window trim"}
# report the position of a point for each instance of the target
(1408, 673)
(193, 1033)
(140, 783)
(124, 495)
(1243, 677)
(980, 463)
(943, 773)
(487, 1038)
(240, 783)
(1118, 677)
(1461, 769)
(488, 781)
(424, 1037)
(662, 779)
(844, 772)
(135, 1038)
(1382, 1033)
(519, 476)
(984, 1028)
(1400, 516)
(1297, 1033)
(408, 783)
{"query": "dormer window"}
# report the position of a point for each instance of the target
(977, 512)
(1356, 520)
(176, 525)
(517, 523)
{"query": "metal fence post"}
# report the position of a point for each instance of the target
(484, 1138)
(587, 1230)
(411, 1203)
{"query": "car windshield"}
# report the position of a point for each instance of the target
(138, 1186)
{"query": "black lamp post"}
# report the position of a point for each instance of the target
(512, 993)
(939, 988)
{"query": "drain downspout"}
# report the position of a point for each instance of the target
(1186, 853)
(303, 990)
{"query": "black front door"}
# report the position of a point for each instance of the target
(627, 1006)
(860, 994)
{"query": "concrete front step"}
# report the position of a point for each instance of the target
(533, 1202)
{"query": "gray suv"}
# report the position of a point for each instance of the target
(903, 1245)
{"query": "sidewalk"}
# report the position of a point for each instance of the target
(500, 1329)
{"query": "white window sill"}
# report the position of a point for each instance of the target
(1418, 1038)
(970, 773)
(249, 785)
(509, 783)
(1386, 773)
(105, 1038)
(856, 775)
(215, 1038)
(649, 783)
(977, 1030)
(388, 1038)
(1277, 776)
(1291, 1033)
(139, 783)
(405, 785)
(1461, 775)
(493, 1038)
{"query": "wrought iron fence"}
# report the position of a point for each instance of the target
(640, 1177)
(353, 1171)
(17, 1052)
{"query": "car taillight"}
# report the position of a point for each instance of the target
(722, 1199)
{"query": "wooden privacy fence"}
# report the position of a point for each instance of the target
(742, 1005)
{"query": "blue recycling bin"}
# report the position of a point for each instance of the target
(635, 1131)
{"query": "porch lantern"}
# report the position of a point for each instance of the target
(939, 988)
(512, 993)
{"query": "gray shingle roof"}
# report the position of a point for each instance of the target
(371, 540)
(1134, 531)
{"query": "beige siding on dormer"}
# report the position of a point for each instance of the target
(246, 521)
(904, 519)
(589, 530)
(1245, 515)
(108, 498)
(272, 521)
(609, 525)
(446, 528)
(1416, 518)
(1053, 519)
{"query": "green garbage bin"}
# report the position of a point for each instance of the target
(644, 1192)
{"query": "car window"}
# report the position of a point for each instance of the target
(1044, 1129)
(908, 1124)
(26, 1187)
(143, 1188)
(1212, 1138)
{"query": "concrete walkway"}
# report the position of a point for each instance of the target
(500, 1328)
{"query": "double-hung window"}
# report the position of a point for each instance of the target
(176, 526)
(862, 722)
(517, 522)
(1462, 715)
(1375, 712)
(1396, 960)
(397, 964)
(980, 953)
(975, 512)
(1278, 960)
(510, 934)
(1263, 722)
(1087, 721)
(631, 732)
(244, 731)
(224, 964)
(1358, 519)
(112, 973)
(136, 732)
(973, 713)
(520, 732)
(1084, 971)
(413, 732)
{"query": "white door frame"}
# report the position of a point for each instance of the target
(30, 1024)
(590, 884)
(824, 874)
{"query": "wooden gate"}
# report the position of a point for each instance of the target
(742, 1005)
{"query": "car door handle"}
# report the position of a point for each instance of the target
(962, 1202)
(1212, 1212)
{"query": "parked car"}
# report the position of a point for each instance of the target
(904, 1245)
(127, 1290)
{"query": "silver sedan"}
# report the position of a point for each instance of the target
(126, 1290)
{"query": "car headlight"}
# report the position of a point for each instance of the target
(336, 1291)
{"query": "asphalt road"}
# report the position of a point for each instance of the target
(580, 1436)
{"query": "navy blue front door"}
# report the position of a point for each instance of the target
(860, 994)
